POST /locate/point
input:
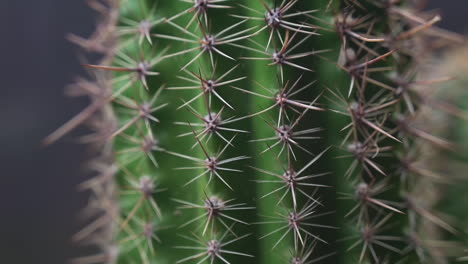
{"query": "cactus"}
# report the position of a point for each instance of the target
(218, 125)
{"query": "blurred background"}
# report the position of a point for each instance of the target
(39, 203)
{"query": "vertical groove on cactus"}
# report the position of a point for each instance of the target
(261, 131)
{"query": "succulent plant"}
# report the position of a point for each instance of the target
(262, 131)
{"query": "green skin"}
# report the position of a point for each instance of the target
(245, 191)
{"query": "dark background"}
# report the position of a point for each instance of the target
(39, 204)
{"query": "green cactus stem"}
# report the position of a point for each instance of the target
(262, 132)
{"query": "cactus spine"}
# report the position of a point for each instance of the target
(221, 119)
